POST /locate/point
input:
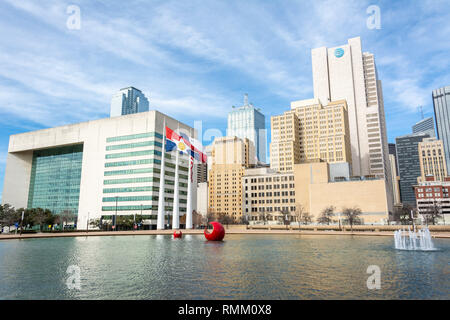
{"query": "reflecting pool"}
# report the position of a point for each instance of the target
(241, 267)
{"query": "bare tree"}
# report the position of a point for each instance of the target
(8, 215)
(264, 216)
(65, 217)
(326, 215)
(302, 215)
(224, 218)
(352, 215)
(285, 217)
(403, 215)
(432, 213)
(210, 216)
(42, 216)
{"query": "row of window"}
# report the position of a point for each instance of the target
(137, 208)
(134, 145)
(139, 198)
(135, 136)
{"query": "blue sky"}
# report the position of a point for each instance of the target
(195, 59)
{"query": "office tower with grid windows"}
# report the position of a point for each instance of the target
(425, 126)
(310, 132)
(98, 169)
(346, 73)
(230, 156)
(407, 149)
(247, 122)
(432, 159)
(441, 103)
(128, 101)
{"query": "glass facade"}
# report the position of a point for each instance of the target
(135, 136)
(142, 183)
(441, 103)
(407, 149)
(248, 122)
(55, 179)
(128, 101)
(425, 126)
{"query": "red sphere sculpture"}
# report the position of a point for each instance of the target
(217, 234)
(177, 235)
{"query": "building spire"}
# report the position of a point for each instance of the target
(245, 99)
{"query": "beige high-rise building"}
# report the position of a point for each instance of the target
(230, 156)
(432, 159)
(395, 179)
(309, 132)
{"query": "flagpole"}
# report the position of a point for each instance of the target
(160, 221)
(175, 214)
(189, 196)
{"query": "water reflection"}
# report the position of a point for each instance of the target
(242, 267)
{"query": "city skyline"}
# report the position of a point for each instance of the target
(70, 83)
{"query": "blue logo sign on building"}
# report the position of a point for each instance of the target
(339, 52)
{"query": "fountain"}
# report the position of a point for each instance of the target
(413, 240)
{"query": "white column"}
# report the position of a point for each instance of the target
(189, 197)
(160, 221)
(176, 196)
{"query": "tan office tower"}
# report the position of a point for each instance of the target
(310, 132)
(230, 157)
(344, 72)
(432, 159)
(395, 179)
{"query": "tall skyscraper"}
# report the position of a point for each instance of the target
(441, 103)
(247, 122)
(426, 126)
(407, 148)
(127, 101)
(230, 156)
(310, 133)
(346, 73)
(394, 173)
(432, 159)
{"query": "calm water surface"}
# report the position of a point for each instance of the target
(241, 267)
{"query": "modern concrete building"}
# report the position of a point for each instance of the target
(247, 122)
(202, 198)
(267, 194)
(315, 191)
(128, 101)
(441, 103)
(394, 174)
(425, 126)
(346, 73)
(310, 132)
(407, 149)
(432, 159)
(202, 172)
(230, 157)
(433, 195)
(97, 168)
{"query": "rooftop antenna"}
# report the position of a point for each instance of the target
(246, 99)
(421, 112)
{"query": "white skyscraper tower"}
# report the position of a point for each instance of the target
(128, 101)
(345, 72)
